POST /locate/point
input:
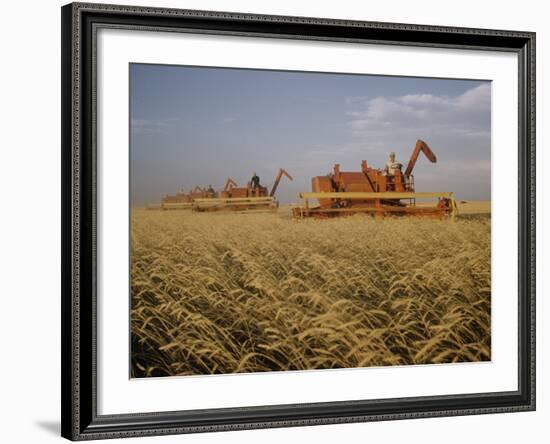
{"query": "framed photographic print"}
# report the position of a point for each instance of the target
(280, 221)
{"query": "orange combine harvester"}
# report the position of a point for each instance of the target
(235, 198)
(386, 192)
(184, 201)
(231, 198)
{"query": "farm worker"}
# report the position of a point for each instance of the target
(255, 181)
(210, 191)
(392, 166)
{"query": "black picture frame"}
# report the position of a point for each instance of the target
(79, 391)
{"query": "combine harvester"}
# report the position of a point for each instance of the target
(249, 198)
(184, 201)
(388, 192)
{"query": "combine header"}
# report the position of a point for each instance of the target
(386, 192)
(234, 198)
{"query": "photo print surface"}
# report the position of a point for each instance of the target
(285, 221)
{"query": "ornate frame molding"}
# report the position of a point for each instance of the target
(79, 395)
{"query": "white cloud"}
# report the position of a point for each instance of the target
(466, 115)
(478, 98)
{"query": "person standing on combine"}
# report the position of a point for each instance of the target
(210, 191)
(390, 170)
(255, 183)
(392, 166)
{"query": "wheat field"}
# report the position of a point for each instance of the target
(230, 293)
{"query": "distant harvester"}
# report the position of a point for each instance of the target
(231, 198)
(235, 198)
(184, 201)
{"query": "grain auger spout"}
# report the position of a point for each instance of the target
(280, 174)
(420, 146)
(380, 192)
(229, 184)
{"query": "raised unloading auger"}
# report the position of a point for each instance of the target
(420, 146)
(229, 184)
(278, 179)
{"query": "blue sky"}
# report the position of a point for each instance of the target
(197, 126)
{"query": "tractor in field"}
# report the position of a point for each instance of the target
(380, 192)
(253, 196)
